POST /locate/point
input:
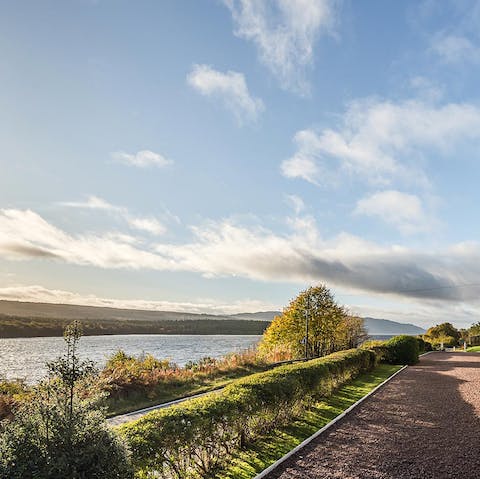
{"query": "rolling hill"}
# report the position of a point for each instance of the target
(23, 319)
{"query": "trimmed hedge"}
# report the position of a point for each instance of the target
(195, 439)
(423, 346)
(402, 350)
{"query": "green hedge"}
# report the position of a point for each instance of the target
(423, 345)
(402, 350)
(194, 439)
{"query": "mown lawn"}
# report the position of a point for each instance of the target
(473, 349)
(266, 450)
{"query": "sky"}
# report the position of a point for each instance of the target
(223, 155)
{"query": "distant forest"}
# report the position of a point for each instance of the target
(27, 327)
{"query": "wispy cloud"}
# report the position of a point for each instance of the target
(455, 49)
(226, 248)
(297, 204)
(382, 141)
(404, 211)
(149, 224)
(230, 88)
(40, 294)
(142, 159)
(284, 32)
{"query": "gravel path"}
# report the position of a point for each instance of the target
(424, 424)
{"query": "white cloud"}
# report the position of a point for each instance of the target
(142, 159)
(149, 224)
(402, 210)
(297, 204)
(427, 89)
(40, 294)
(301, 166)
(284, 32)
(382, 141)
(228, 249)
(455, 49)
(25, 234)
(231, 88)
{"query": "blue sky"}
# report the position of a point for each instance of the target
(220, 156)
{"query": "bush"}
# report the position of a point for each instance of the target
(402, 350)
(446, 341)
(196, 438)
(424, 346)
(421, 344)
(12, 393)
(32, 448)
(60, 432)
(378, 347)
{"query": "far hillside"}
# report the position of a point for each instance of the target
(24, 319)
(385, 327)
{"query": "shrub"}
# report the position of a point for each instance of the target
(421, 344)
(12, 393)
(446, 341)
(41, 443)
(378, 347)
(195, 438)
(427, 346)
(402, 350)
(60, 433)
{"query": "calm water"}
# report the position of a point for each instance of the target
(26, 357)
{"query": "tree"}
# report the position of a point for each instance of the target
(444, 333)
(351, 333)
(62, 432)
(312, 325)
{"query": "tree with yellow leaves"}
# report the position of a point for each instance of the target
(312, 325)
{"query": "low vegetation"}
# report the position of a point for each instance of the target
(269, 447)
(61, 432)
(197, 438)
(473, 349)
(57, 428)
(133, 383)
(398, 350)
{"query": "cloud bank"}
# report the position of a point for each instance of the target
(381, 142)
(40, 294)
(148, 224)
(229, 249)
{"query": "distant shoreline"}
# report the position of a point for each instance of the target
(21, 327)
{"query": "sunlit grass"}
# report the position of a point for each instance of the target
(268, 449)
(473, 349)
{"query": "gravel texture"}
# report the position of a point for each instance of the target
(423, 424)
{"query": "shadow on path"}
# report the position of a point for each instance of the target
(423, 424)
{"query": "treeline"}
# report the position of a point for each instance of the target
(18, 327)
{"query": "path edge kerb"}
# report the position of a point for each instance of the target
(277, 463)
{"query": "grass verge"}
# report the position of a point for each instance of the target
(473, 349)
(166, 392)
(137, 400)
(268, 449)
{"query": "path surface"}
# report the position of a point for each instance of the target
(134, 415)
(424, 424)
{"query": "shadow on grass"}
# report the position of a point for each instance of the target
(268, 449)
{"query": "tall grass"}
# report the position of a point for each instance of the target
(139, 381)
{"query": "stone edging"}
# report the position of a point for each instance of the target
(273, 466)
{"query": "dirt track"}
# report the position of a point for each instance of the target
(425, 423)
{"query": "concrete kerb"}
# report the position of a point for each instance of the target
(269, 469)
